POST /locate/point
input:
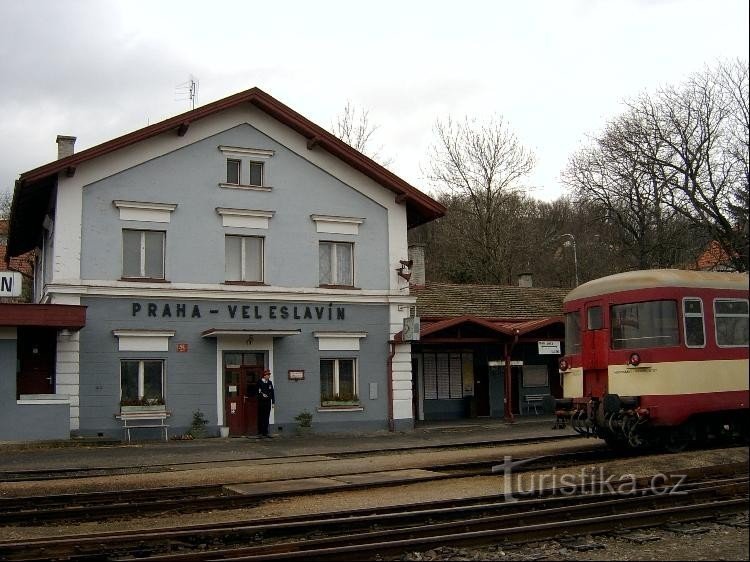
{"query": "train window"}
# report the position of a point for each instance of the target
(731, 319)
(695, 332)
(573, 332)
(594, 318)
(644, 324)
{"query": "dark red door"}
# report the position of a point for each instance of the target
(242, 371)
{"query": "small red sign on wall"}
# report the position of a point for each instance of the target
(182, 348)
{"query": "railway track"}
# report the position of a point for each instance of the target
(30, 475)
(107, 504)
(383, 532)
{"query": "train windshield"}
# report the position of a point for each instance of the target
(573, 332)
(644, 324)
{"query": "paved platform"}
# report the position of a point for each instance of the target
(62, 455)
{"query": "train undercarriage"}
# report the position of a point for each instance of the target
(623, 424)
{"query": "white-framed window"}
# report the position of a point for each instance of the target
(336, 263)
(244, 258)
(234, 175)
(255, 174)
(338, 380)
(246, 167)
(731, 319)
(143, 253)
(693, 322)
(142, 380)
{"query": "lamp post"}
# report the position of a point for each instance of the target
(575, 254)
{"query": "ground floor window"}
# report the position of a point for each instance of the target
(141, 382)
(444, 375)
(338, 381)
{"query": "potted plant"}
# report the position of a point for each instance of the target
(304, 422)
(198, 426)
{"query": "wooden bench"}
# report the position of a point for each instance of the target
(533, 401)
(144, 420)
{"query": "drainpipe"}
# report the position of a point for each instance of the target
(509, 381)
(391, 424)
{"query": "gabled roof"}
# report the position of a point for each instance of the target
(420, 207)
(490, 302)
(504, 328)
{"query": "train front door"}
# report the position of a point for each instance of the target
(242, 371)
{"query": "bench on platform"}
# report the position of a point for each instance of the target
(144, 420)
(533, 401)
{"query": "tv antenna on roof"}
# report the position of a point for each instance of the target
(188, 91)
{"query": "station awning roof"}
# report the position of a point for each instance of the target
(63, 316)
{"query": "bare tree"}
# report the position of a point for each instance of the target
(629, 194)
(6, 198)
(353, 126)
(672, 171)
(480, 165)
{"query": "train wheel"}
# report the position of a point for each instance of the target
(676, 439)
(616, 443)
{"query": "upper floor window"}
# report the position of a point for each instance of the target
(336, 263)
(143, 254)
(233, 171)
(247, 168)
(731, 316)
(695, 333)
(256, 173)
(244, 258)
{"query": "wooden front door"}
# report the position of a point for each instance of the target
(242, 371)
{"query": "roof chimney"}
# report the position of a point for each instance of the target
(416, 254)
(525, 280)
(65, 146)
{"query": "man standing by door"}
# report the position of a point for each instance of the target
(266, 401)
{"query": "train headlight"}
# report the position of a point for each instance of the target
(563, 363)
(635, 359)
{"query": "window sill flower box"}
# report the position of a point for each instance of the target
(143, 408)
(339, 403)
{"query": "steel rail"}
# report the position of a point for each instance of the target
(409, 515)
(519, 534)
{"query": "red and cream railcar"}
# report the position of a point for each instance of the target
(656, 357)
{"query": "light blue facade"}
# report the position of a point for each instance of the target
(189, 177)
(194, 255)
(26, 422)
(192, 381)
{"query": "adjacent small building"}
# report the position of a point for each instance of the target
(481, 345)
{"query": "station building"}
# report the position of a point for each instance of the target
(183, 259)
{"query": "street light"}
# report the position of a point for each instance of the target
(575, 254)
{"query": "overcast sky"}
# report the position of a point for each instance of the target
(555, 70)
